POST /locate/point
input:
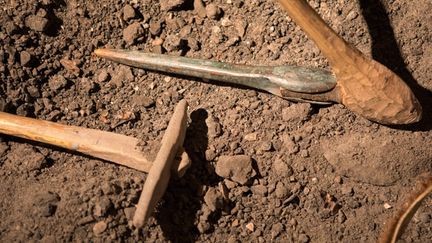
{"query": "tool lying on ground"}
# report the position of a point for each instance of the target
(108, 146)
(363, 85)
(116, 148)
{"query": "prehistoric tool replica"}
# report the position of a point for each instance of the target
(116, 148)
(363, 85)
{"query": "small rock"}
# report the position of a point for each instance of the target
(297, 112)
(144, 101)
(25, 58)
(36, 23)
(122, 75)
(250, 227)
(203, 227)
(173, 43)
(251, 136)
(266, 146)
(99, 227)
(103, 76)
(213, 199)
(281, 168)
(259, 190)
(213, 126)
(128, 12)
(155, 27)
(351, 15)
(281, 190)
(57, 83)
(200, 8)
(45, 203)
(237, 168)
(387, 206)
(276, 230)
(213, 11)
(303, 238)
(347, 190)
(132, 33)
(102, 207)
(11, 28)
(129, 213)
(86, 220)
(167, 5)
(304, 153)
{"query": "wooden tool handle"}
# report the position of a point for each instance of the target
(327, 40)
(109, 146)
(365, 86)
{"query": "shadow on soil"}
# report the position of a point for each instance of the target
(386, 51)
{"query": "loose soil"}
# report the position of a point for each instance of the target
(308, 172)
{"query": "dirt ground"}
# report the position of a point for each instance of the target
(316, 173)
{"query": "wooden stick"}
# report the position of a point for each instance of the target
(366, 87)
(396, 227)
(159, 175)
(109, 146)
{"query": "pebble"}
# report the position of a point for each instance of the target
(276, 230)
(259, 190)
(102, 207)
(213, 199)
(214, 128)
(25, 58)
(99, 227)
(45, 203)
(297, 113)
(281, 168)
(200, 8)
(250, 227)
(129, 213)
(352, 15)
(347, 190)
(251, 136)
(132, 33)
(172, 43)
(36, 23)
(167, 5)
(57, 83)
(155, 27)
(213, 11)
(128, 12)
(103, 76)
(281, 190)
(144, 101)
(303, 238)
(237, 168)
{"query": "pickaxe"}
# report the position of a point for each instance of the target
(363, 85)
(116, 148)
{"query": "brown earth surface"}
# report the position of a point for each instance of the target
(263, 168)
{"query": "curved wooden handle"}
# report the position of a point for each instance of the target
(109, 146)
(365, 86)
(327, 40)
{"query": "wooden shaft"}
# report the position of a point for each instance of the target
(328, 41)
(109, 146)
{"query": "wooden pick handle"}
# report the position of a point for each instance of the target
(365, 86)
(109, 146)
